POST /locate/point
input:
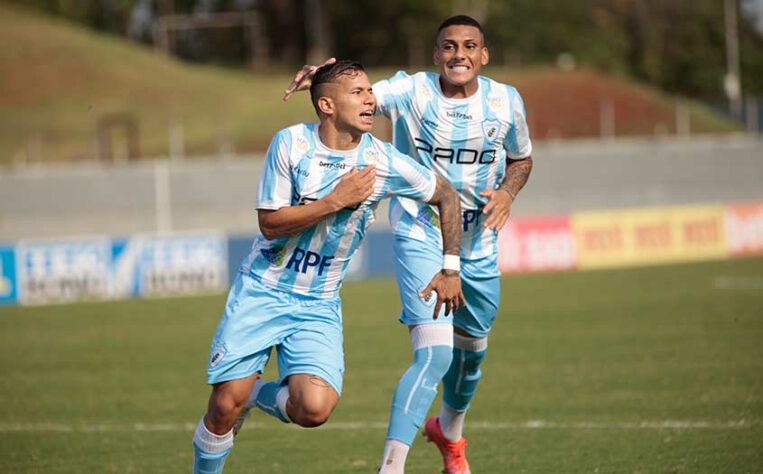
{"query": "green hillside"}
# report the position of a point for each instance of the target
(58, 80)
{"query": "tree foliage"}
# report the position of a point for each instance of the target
(677, 45)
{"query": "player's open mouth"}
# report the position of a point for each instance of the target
(367, 116)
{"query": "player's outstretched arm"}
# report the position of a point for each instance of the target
(447, 282)
(304, 78)
(354, 188)
(498, 208)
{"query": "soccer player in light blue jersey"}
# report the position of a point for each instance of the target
(472, 131)
(317, 195)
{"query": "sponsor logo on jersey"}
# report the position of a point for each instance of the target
(274, 255)
(459, 115)
(301, 170)
(428, 217)
(491, 129)
(332, 166)
(302, 145)
(301, 260)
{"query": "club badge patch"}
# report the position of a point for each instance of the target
(218, 352)
(491, 129)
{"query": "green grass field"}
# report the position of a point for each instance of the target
(640, 370)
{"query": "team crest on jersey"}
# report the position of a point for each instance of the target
(371, 156)
(495, 103)
(274, 255)
(302, 145)
(426, 93)
(491, 129)
(428, 217)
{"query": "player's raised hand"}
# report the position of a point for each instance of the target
(498, 208)
(447, 285)
(354, 187)
(304, 78)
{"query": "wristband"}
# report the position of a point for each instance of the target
(508, 191)
(451, 262)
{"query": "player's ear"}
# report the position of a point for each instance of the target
(485, 56)
(326, 105)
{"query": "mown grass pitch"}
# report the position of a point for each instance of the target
(639, 370)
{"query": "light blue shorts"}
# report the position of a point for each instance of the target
(415, 265)
(306, 332)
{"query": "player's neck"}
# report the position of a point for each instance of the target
(459, 92)
(338, 139)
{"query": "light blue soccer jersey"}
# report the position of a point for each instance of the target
(300, 169)
(466, 141)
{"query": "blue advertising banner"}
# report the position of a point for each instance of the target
(8, 293)
(58, 271)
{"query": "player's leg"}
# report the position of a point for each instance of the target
(213, 438)
(481, 284)
(311, 367)
(251, 323)
(432, 344)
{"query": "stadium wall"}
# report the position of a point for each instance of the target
(34, 271)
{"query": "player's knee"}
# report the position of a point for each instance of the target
(433, 348)
(312, 414)
(440, 360)
(224, 404)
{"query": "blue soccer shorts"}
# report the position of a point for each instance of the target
(306, 332)
(416, 263)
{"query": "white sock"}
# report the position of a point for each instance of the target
(393, 461)
(210, 442)
(258, 384)
(452, 422)
(281, 398)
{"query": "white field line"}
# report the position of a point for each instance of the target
(378, 425)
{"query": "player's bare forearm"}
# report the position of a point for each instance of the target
(517, 173)
(352, 189)
(446, 200)
(292, 220)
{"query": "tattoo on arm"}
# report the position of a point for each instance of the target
(446, 199)
(517, 173)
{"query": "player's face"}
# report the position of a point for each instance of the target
(459, 54)
(354, 102)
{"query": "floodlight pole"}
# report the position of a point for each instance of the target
(732, 80)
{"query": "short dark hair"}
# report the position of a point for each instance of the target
(329, 73)
(465, 20)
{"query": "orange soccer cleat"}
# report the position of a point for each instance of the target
(453, 452)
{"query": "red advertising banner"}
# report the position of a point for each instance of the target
(537, 244)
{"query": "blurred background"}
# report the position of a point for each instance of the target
(132, 136)
(121, 118)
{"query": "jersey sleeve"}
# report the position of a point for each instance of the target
(517, 143)
(276, 186)
(409, 179)
(393, 94)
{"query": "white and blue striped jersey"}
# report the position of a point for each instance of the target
(466, 141)
(300, 169)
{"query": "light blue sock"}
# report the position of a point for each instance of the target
(416, 391)
(272, 400)
(460, 383)
(210, 450)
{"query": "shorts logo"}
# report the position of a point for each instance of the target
(274, 255)
(218, 352)
(491, 129)
(302, 145)
(371, 156)
(428, 217)
(430, 300)
(495, 103)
